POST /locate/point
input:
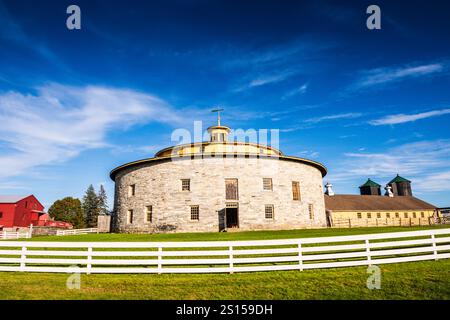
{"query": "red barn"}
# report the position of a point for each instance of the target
(22, 211)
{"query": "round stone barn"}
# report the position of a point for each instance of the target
(218, 186)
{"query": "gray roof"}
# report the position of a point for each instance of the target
(11, 198)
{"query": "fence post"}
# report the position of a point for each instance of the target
(30, 232)
(300, 256)
(349, 223)
(160, 259)
(23, 258)
(230, 252)
(369, 258)
(89, 260)
(433, 239)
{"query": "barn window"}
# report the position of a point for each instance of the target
(388, 215)
(295, 190)
(131, 190)
(195, 213)
(148, 213)
(397, 215)
(186, 184)
(405, 214)
(268, 211)
(369, 215)
(267, 184)
(231, 189)
(311, 211)
(422, 215)
(359, 214)
(130, 216)
(378, 215)
(414, 215)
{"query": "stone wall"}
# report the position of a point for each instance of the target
(45, 231)
(159, 185)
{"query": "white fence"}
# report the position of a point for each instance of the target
(224, 256)
(70, 232)
(8, 235)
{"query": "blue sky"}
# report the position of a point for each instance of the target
(76, 104)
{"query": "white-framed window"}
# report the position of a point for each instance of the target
(269, 211)
(267, 184)
(359, 215)
(379, 215)
(414, 215)
(148, 214)
(311, 211)
(185, 184)
(195, 213)
(131, 190)
(405, 214)
(388, 215)
(369, 215)
(422, 214)
(130, 216)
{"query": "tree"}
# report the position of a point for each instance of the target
(68, 210)
(102, 201)
(90, 207)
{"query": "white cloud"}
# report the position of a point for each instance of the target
(403, 118)
(60, 121)
(334, 117)
(300, 90)
(267, 79)
(264, 79)
(384, 75)
(425, 163)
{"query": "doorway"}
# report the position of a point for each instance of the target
(232, 215)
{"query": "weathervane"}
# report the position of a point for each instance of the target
(218, 115)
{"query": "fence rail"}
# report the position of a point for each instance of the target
(70, 232)
(8, 235)
(224, 256)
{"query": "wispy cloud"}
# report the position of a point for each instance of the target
(419, 161)
(350, 115)
(269, 79)
(311, 122)
(264, 79)
(13, 31)
(385, 75)
(60, 122)
(403, 118)
(300, 90)
(255, 67)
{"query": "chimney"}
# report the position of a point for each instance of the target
(329, 189)
(389, 192)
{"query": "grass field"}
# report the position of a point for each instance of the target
(224, 236)
(418, 280)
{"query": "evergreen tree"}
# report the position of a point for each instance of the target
(68, 210)
(91, 207)
(102, 201)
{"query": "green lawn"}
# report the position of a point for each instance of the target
(417, 280)
(223, 236)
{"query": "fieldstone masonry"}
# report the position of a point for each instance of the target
(159, 184)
